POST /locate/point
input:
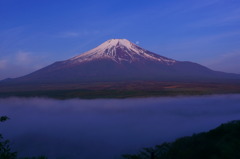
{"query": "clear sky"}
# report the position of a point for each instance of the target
(36, 33)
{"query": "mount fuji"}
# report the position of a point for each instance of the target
(121, 60)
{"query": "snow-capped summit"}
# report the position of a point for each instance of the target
(120, 60)
(120, 50)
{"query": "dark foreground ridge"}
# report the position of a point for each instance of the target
(222, 142)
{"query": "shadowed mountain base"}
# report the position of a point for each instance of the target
(117, 90)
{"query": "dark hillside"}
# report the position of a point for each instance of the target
(222, 142)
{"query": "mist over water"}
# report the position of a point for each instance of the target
(107, 128)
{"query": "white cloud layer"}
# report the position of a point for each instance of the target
(3, 64)
(227, 62)
(19, 64)
(23, 57)
(75, 34)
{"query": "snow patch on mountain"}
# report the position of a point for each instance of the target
(120, 50)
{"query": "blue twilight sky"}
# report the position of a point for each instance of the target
(36, 33)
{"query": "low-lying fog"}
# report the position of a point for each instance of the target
(108, 128)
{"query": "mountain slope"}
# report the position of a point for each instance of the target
(121, 60)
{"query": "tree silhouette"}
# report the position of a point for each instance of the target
(157, 152)
(5, 151)
(222, 142)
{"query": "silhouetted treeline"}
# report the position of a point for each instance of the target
(220, 143)
(5, 150)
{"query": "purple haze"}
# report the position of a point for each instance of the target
(107, 128)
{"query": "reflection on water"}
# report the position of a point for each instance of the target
(107, 128)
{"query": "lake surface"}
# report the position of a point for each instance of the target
(107, 128)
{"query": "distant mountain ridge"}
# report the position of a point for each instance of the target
(120, 60)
